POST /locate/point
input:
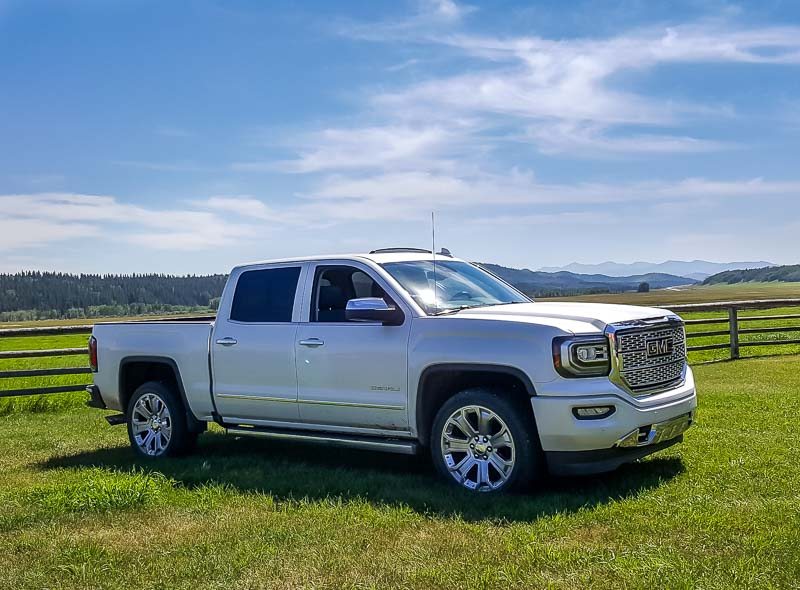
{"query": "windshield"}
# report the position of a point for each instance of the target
(459, 285)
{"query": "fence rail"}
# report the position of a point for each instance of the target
(731, 317)
(53, 352)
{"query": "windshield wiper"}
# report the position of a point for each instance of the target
(459, 308)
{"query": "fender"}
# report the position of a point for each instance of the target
(194, 423)
(432, 370)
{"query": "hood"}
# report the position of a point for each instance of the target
(598, 315)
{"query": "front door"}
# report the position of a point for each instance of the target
(253, 348)
(350, 373)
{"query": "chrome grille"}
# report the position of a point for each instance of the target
(642, 373)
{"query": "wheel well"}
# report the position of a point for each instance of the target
(437, 385)
(136, 373)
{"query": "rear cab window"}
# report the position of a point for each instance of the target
(265, 295)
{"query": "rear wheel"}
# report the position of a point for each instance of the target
(157, 422)
(484, 442)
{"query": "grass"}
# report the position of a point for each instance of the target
(718, 511)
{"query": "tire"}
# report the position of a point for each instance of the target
(157, 422)
(473, 463)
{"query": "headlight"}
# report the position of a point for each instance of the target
(581, 356)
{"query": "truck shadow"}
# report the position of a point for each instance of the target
(290, 472)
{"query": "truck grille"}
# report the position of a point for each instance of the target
(651, 358)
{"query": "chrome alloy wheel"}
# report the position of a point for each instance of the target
(152, 424)
(477, 448)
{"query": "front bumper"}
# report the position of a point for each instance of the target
(636, 428)
(564, 463)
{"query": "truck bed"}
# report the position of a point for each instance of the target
(182, 343)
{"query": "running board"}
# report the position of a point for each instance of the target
(116, 419)
(388, 445)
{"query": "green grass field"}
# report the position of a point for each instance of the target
(718, 511)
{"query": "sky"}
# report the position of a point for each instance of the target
(187, 137)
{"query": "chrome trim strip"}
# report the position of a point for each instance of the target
(392, 446)
(264, 398)
(658, 432)
(257, 398)
(350, 404)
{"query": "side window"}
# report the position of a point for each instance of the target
(334, 286)
(265, 295)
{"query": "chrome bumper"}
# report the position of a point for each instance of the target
(654, 434)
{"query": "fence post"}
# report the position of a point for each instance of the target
(733, 321)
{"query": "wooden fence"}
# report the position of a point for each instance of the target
(732, 318)
(58, 352)
(729, 315)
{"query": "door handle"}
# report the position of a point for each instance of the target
(228, 341)
(312, 342)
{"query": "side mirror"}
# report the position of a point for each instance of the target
(373, 309)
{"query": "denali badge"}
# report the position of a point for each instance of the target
(658, 347)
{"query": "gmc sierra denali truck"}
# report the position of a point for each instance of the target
(405, 351)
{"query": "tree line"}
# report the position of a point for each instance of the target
(785, 274)
(32, 295)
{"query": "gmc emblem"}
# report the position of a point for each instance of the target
(658, 347)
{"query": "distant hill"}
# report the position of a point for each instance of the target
(544, 284)
(783, 274)
(694, 269)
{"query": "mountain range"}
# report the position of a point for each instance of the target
(693, 269)
(543, 284)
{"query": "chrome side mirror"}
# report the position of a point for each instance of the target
(373, 309)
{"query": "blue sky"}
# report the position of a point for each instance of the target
(186, 137)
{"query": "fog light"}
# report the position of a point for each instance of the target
(593, 412)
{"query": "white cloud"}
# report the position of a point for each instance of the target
(244, 206)
(568, 90)
(431, 18)
(577, 139)
(16, 233)
(411, 195)
(562, 219)
(501, 203)
(36, 219)
(448, 10)
(395, 146)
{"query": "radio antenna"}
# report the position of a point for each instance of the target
(433, 251)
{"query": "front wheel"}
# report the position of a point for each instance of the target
(157, 422)
(484, 442)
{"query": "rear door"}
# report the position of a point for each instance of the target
(253, 345)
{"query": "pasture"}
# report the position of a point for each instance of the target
(718, 511)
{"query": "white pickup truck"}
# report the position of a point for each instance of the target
(402, 350)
